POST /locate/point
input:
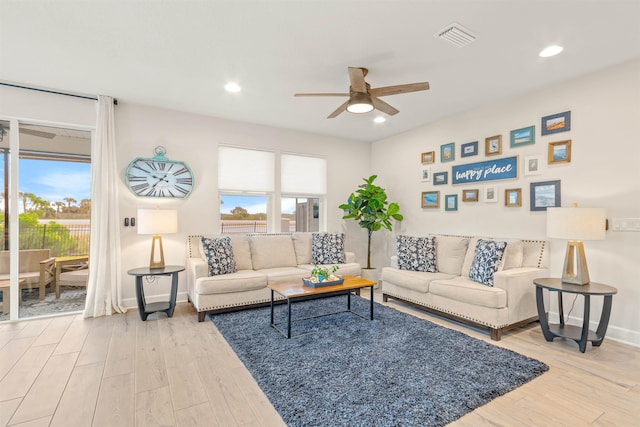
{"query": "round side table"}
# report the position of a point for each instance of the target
(144, 308)
(579, 335)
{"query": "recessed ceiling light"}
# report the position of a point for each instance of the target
(550, 51)
(232, 87)
(379, 119)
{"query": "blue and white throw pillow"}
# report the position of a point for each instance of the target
(327, 248)
(416, 253)
(219, 254)
(486, 261)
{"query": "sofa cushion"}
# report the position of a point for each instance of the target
(327, 248)
(450, 252)
(513, 256)
(414, 280)
(284, 274)
(272, 251)
(488, 254)
(465, 290)
(219, 255)
(240, 281)
(302, 246)
(416, 253)
(347, 269)
(241, 251)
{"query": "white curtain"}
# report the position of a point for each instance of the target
(104, 290)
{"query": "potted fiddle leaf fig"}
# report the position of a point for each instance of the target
(369, 206)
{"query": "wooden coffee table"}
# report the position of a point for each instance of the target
(298, 291)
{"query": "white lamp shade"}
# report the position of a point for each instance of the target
(157, 221)
(576, 223)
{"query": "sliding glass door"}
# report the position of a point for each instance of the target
(46, 198)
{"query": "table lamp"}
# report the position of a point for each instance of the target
(576, 224)
(156, 222)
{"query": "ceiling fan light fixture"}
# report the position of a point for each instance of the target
(359, 103)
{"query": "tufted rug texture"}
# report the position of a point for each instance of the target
(396, 370)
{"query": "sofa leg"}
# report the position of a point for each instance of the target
(385, 297)
(201, 315)
(496, 334)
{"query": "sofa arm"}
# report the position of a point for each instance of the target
(394, 261)
(521, 292)
(349, 257)
(196, 268)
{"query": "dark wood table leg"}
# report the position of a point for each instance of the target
(604, 321)
(174, 294)
(542, 316)
(371, 303)
(288, 318)
(272, 324)
(582, 344)
(140, 298)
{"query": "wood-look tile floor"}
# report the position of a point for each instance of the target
(120, 371)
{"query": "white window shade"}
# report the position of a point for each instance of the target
(303, 174)
(241, 169)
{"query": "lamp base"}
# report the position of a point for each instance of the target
(575, 269)
(153, 262)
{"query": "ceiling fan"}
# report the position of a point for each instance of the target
(362, 98)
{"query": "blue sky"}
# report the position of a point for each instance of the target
(54, 180)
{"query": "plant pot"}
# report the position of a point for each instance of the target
(372, 275)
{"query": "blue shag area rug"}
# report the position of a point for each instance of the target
(396, 370)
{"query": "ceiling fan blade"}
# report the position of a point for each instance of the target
(356, 77)
(339, 110)
(39, 133)
(379, 104)
(395, 90)
(321, 94)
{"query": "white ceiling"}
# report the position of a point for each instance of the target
(179, 54)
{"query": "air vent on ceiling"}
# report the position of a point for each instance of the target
(456, 34)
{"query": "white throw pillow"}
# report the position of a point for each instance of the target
(272, 252)
(513, 256)
(450, 253)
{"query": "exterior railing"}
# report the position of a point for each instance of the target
(61, 240)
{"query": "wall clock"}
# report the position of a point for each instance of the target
(159, 176)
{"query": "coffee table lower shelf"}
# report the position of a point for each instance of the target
(298, 292)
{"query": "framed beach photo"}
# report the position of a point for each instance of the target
(440, 178)
(491, 194)
(556, 123)
(469, 149)
(447, 152)
(559, 152)
(430, 199)
(451, 202)
(470, 195)
(513, 197)
(532, 165)
(544, 195)
(524, 136)
(428, 157)
(426, 174)
(493, 145)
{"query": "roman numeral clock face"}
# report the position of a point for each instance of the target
(159, 178)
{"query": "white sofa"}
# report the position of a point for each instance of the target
(510, 302)
(260, 259)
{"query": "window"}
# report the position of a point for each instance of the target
(253, 201)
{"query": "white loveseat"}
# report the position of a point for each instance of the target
(260, 260)
(509, 302)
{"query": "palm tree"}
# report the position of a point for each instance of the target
(69, 201)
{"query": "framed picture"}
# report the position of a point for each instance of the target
(440, 178)
(556, 123)
(559, 152)
(428, 157)
(544, 195)
(469, 149)
(426, 174)
(533, 165)
(493, 145)
(451, 202)
(447, 152)
(430, 199)
(524, 136)
(513, 197)
(470, 195)
(491, 194)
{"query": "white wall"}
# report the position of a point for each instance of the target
(604, 172)
(194, 140)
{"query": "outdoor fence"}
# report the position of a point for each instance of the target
(61, 240)
(240, 226)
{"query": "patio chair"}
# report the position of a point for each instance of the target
(73, 271)
(37, 268)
